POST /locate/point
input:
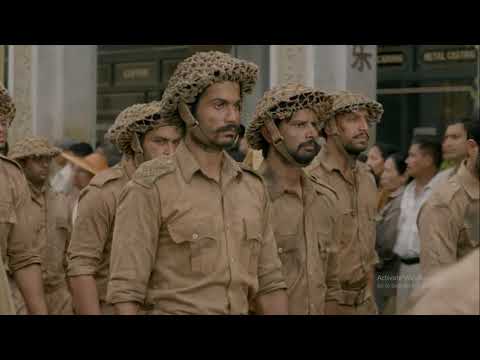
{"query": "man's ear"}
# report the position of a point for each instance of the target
(266, 134)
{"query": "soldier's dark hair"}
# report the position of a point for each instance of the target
(463, 121)
(473, 131)
(431, 146)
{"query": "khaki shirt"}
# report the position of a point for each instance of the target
(185, 244)
(449, 222)
(6, 301)
(358, 206)
(89, 251)
(306, 227)
(16, 216)
(53, 229)
(454, 290)
(51, 223)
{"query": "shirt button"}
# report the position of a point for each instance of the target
(233, 260)
(280, 250)
(195, 236)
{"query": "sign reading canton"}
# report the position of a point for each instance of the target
(450, 55)
(391, 59)
(361, 58)
(136, 74)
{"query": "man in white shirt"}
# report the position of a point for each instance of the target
(62, 182)
(423, 163)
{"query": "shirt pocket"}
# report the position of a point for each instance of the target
(194, 245)
(289, 255)
(251, 245)
(324, 240)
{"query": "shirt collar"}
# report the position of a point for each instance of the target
(189, 165)
(276, 190)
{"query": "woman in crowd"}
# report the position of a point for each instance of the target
(393, 181)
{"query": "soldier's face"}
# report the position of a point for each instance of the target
(299, 135)
(218, 112)
(353, 131)
(3, 132)
(161, 141)
(455, 143)
(36, 169)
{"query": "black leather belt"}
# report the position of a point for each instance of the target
(410, 261)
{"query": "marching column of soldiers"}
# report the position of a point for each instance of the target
(179, 227)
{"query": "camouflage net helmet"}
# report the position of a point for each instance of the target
(137, 119)
(195, 74)
(33, 146)
(347, 102)
(7, 107)
(281, 103)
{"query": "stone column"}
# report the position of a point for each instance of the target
(258, 54)
(55, 91)
(292, 64)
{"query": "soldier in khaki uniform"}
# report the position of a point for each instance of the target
(17, 237)
(193, 232)
(453, 290)
(305, 220)
(6, 301)
(140, 134)
(449, 221)
(51, 222)
(346, 130)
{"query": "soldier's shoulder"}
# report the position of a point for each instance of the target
(446, 192)
(107, 176)
(151, 171)
(10, 164)
(247, 169)
(323, 188)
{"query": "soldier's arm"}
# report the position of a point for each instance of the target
(29, 282)
(134, 247)
(438, 234)
(24, 257)
(89, 235)
(271, 298)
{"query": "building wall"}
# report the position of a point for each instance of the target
(77, 91)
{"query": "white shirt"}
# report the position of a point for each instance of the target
(62, 181)
(408, 241)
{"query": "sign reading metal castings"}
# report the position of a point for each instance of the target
(450, 55)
